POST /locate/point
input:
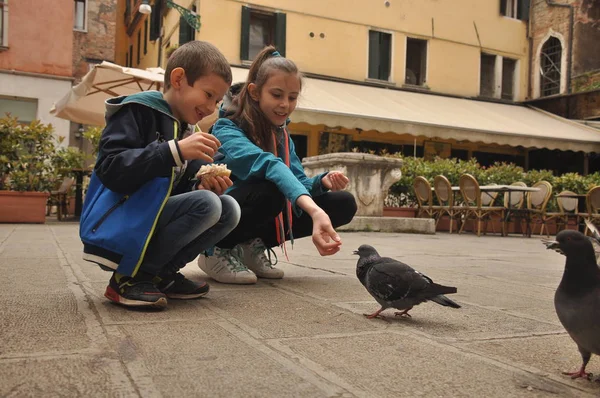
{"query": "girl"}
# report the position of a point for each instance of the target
(278, 201)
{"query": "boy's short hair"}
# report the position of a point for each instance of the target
(198, 58)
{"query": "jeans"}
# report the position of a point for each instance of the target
(189, 224)
(261, 202)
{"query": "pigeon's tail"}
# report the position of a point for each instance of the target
(445, 301)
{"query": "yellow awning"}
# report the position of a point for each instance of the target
(372, 108)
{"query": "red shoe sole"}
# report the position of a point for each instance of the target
(115, 297)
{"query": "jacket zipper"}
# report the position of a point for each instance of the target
(108, 212)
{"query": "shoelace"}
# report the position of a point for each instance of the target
(231, 256)
(258, 250)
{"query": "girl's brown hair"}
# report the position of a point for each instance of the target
(248, 114)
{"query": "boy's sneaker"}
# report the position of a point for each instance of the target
(225, 266)
(177, 286)
(256, 260)
(129, 292)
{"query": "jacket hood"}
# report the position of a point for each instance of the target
(151, 99)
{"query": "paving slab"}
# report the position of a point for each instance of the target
(302, 336)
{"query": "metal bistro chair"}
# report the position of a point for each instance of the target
(469, 189)
(514, 201)
(425, 198)
(60, 198)
(445, 197)
(567, 210)
(536, 205)
(593, 207)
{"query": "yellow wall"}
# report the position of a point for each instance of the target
(457, 32)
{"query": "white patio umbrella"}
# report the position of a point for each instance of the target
(84, 103)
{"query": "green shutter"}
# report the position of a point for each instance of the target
(280, 21)
(183, 31)
(523, 11)
(385, 56)
(245, 38)
(155, 20)
(373, 54)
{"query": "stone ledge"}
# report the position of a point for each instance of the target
(391, 224)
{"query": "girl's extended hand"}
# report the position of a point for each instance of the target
(218, 184)
(335, 181)
(324, 237)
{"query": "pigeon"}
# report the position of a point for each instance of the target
(595, 239)
(577, 299)
(396, 285)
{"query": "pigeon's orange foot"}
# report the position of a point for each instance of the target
(580, 373)
(404, 313)
(375, 314)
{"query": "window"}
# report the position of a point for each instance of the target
(487, 79)
(3, 24)
(79, 14)
(380, 57)
(131, 55)
(550, 68)
(186, 31)
(518, 9)
(24, 109)
(127, 59)
(416, 61)
(509, 68)
(156, 20)
(260, 29)
(139, 46)
(495, 82)
(145, 36)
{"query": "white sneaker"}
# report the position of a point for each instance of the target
(225, 266)
(256, 260)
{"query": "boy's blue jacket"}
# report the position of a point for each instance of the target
(132, 180)
(249, 163)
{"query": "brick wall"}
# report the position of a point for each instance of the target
(98, 43)
(548, 19)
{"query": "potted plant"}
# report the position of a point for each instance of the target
(27, 171)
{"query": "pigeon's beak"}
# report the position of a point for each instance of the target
(355, 252)
(552, 244)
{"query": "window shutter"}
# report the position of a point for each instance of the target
(280, 21)
(145, 36)
(155, 20)
(503, 7)
(373, 55)
(183, 31)
(385, 56)
(245, 39)
(139, 46)
(523, 11)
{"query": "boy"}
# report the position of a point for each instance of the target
(145, 216)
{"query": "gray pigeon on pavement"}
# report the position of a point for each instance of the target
(577, 299)
(595, 239)
(396, 285)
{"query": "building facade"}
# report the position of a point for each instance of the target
(94, 40)
(36, 68)
(473, 50)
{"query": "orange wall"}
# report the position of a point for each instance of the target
(40, 37)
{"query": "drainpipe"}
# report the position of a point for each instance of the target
(570, 45)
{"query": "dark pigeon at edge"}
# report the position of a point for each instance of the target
(577, 299)
(396, 285)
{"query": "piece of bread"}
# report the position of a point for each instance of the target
(213, 170)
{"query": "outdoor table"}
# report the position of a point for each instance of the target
(79, 173)
(509, 210)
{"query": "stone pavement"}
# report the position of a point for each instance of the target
(303, 336)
